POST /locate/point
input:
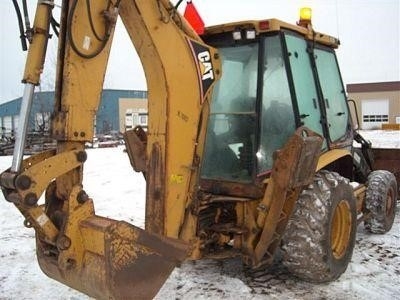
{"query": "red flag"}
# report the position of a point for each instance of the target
(193, 17)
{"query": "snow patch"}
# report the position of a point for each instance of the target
(118, 192)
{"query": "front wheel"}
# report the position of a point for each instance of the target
(380, 201)
(320, 236)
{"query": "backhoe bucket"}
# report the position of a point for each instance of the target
(119, 260)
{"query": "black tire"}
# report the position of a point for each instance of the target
(380, 201)
(320, 236)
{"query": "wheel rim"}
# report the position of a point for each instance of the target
(341, 229)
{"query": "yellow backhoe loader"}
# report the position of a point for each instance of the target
(248, 151)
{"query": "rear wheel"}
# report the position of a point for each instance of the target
(320, 236)
(380, 201)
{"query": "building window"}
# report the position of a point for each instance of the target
(143, 119)
(375, 118)
(135, 117)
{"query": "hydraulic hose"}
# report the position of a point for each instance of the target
(27, 23)
(103, 40)
(177, 4)
(20, 25)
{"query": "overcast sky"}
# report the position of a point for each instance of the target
(369, 31)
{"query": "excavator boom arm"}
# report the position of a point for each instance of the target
(98, 256)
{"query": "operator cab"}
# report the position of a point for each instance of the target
(276, 77)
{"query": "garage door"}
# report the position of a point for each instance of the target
(374, 113)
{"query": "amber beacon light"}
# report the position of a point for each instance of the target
(305, 16)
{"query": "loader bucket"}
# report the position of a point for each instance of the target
(387, 159)
(119, 260)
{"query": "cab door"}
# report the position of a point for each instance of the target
(304, 83)
(333, 93)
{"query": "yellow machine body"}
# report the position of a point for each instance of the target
(110, 259)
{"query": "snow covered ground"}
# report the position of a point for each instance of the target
(382, 138)
(119, 192)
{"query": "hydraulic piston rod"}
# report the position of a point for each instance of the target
(33, 69)
(22, 127)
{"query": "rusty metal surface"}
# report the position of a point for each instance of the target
(155, 192)
(294, 167)
(138, 263)
(236, 189)
(387, 159)
(119, 260)
(7, 181)
(136, 143)
(296, 163)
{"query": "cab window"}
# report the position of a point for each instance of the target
(229, 149)
(277, 122)
(333, 93)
